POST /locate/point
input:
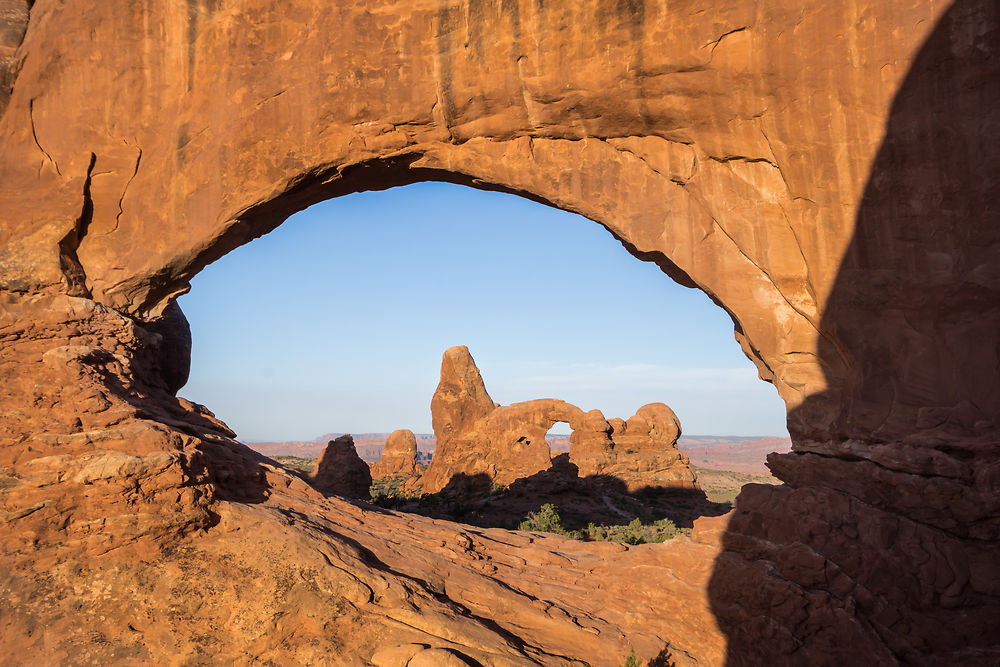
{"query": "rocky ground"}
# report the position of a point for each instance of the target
(722, 486)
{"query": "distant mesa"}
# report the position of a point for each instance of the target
(733, 453)
(477, 436)
(340, 471)
(368, 445)
(746, 455)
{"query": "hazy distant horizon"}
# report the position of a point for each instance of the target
(684, 436)
(340, 316)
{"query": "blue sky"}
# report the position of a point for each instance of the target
(337, 320)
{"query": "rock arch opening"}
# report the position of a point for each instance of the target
(385, 287)
(557, 438)
(332, 266)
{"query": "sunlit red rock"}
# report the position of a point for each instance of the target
(399, 458)
(641, 451)
(507, 442)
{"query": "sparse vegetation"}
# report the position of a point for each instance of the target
(547, 520)
(648, 515)
(389, 492)
(634, 532)
(296, 463)
(632, 660)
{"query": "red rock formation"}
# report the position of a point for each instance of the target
(825, 171)
(641, 451)
(460, 399)
(476, 436)
(399, 458)
(506, 443)
(340, 471)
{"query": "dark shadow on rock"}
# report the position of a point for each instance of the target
(235, 470)
(598, 499)
(855, 561)
(662, 659)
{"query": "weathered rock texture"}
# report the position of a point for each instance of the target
(827, 172)
(475, 436)
(340, 471)
(641, 451)
(399, 458)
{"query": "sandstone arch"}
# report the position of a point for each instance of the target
(480, 439)
(697, 186)
(734, 145)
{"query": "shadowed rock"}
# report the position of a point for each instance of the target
(340, 471)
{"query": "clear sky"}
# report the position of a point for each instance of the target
(337, 320)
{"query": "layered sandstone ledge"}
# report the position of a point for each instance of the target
(826, 172)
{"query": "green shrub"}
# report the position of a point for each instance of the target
(596, 533)
(632, 661)
(389, 493)
(545, 520)
(633, 532)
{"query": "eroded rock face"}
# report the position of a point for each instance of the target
(827, 172)
(340, 471)
(460, 399)
(505, 443)
(641, 451)
(399, 458)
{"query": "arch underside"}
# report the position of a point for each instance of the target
(762, 153)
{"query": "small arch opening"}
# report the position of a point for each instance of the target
(557, 438)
